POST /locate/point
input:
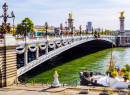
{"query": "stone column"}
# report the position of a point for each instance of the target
(118, 40)
(8, 61)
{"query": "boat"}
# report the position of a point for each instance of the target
(98, 79)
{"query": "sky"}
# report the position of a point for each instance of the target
(102, 13)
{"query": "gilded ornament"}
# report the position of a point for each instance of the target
(122, 13)
(70, 15)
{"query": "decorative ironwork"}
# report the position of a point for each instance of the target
(61, 27)
(80, 29)
(5, 27)
(25, 25)
(72, 32)
(46, 26)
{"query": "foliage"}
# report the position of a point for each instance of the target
(126, 75)
(110, 92)
(114, 73)
(123, 69)
(21, 29)
(107, 71)
(111, 66)
(13, 32)
(30, 23)
(127, 67)
(105, 89)
(41, 29)
(83, 33)
(120, 73)
(128, 92)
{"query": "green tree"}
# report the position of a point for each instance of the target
(21, 30)
(30, 23)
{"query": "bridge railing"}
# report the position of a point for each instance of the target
(45, 82)
(58, 37)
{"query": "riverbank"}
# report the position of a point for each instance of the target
(47, 90)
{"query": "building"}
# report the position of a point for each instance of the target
(89, 25)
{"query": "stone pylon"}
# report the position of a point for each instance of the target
(8, 61)
(122, 31)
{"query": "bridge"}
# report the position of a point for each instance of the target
(57, 46)
(51, 46)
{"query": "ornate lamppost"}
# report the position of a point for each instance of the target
(13, 20)
(61, 27)
(66, 27)
(80, 30)
(72, 34)
(6, 26)
(25, 25)
(46, 27)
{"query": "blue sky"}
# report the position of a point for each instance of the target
(102, 13)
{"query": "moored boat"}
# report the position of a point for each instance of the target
(98, 79)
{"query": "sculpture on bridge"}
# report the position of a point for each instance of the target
(122, 13)
(70, 15)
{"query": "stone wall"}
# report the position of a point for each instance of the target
(8, 66)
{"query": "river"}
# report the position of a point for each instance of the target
(71, 62)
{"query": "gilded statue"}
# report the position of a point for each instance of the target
(122, 13)
(70, 15)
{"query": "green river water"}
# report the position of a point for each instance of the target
(69, 69)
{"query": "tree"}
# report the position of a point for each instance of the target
(21, 30)
(30, 23)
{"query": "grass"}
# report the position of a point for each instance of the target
(71, 69)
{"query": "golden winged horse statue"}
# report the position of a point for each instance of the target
(122, 13)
